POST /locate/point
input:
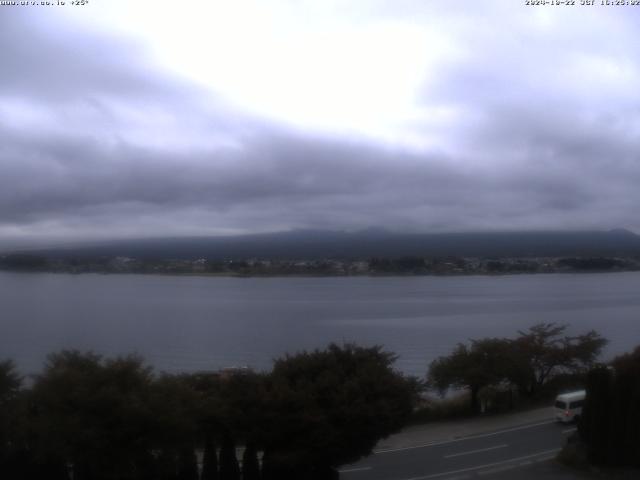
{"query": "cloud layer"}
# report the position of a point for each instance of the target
(513, 118)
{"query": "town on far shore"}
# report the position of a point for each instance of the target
(449, 265)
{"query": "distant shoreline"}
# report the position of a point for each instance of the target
(315, 275)
(328, 267)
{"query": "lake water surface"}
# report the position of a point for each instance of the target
(195, 323)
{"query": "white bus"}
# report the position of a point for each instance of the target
(568, 406)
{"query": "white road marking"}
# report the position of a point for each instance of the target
(503, 468)
(359, 469)
(462, 439)
(569, 430)
(544, 459)
(488, 465)
(470, 452)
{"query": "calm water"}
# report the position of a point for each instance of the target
(193, 323)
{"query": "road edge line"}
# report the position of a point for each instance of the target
(461, 439)
(479, 467)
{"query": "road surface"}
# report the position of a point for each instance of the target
(482, 455)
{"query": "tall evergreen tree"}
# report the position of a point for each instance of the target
(275, 466)
(210, 460)
(250, 464)
(146, 467)
(627, 409)
(267, 472)
(229, 468)
(596, 415)
(610, 423)
(187, 464)
(41, 468)
(10, 384)
(167, 465)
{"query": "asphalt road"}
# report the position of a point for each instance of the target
(486, 455)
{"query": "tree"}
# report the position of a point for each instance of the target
(10, 384)
(187, 464)
(240, 404)
(250, 464)
(485, 362)
(20, 261)
(229, 468)
(174, 407)
(543, 351)
(94, 414)
(595, 423)
(209, 460)
(610, 424)
(330, 407)
(627, 408)
(528, 361)
(91, 418)
(167, 465)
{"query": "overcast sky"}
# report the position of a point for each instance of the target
(152, 118)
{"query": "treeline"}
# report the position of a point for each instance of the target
(535, 364)
(24, 262)
(592, 264)
(85, 417)
(401, 265)
(539, 363)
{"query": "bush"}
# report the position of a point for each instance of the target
(114, 418)
(432, 409)
(330, 407)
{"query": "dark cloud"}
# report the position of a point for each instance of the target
(281, 180)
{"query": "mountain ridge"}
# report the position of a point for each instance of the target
(315, 244)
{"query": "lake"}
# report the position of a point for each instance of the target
(197, 323)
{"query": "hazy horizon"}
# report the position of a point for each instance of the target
(315, 243)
